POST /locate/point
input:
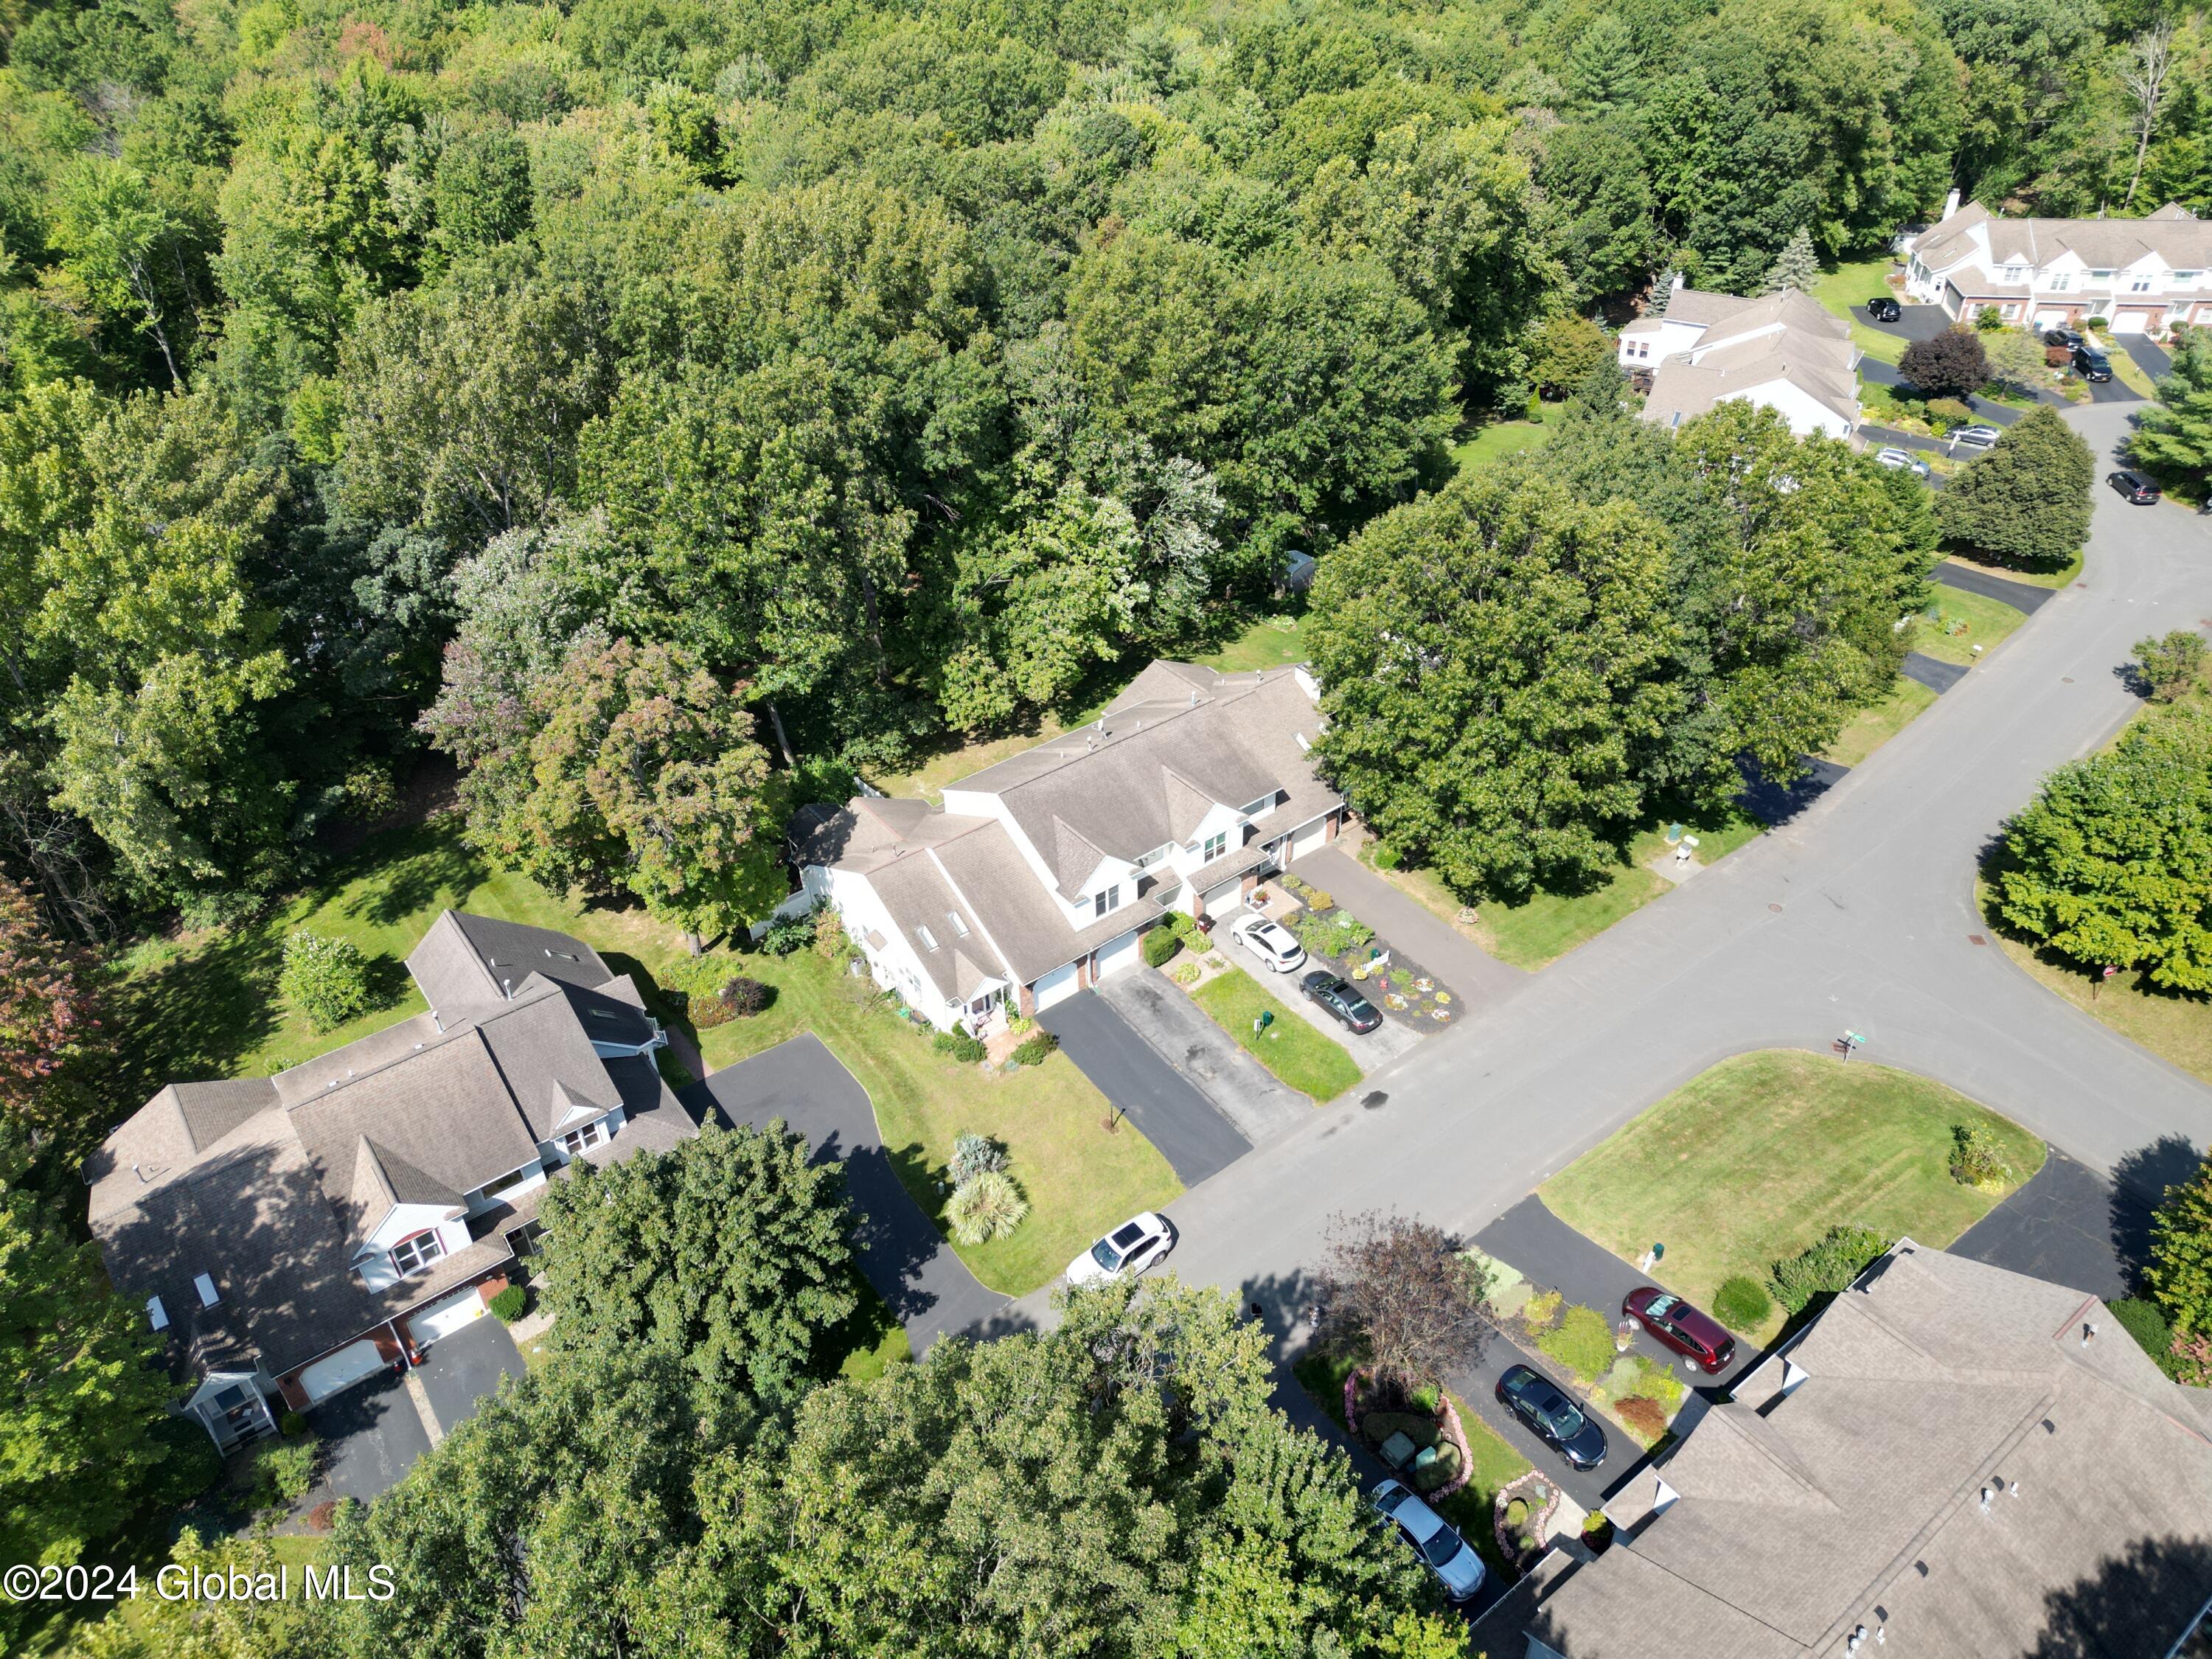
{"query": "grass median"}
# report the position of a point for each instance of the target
(1298, 1054)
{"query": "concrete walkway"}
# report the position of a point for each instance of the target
(1476, 976)
(1377, 1047)
(902, 1253)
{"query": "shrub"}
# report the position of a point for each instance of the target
(1379, 1426)
(327, 979)
(2171, 666)
(189, 1464)
(974, 1155)
(1543, 1308)
(510, 1303)
(1975, 1160)
(959, 1045)
(1582, 1343)
(709, 1011)
(1826, 1267)
(1946, 365)
(1387, 858)
(291, 1426)
(1987, 321)
(370, 792)
(1035, 1047)
(987, 1205)
(282, 1471)
(1645, 1418)
(791, 934)
(2096, 325)
(2144, 1322)
(829, 940)
(1184, 973)
(1946, 413)
(1438, 1471)
(1742, 1304)
(746, 997)
(1020, 1025)
(1159, 946)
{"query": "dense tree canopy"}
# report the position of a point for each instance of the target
(2027, 500)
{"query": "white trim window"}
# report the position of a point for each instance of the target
(583, 1137)
(2139, 283)
(415, 1253)
(1109, 901)
(2060, 280)
(1216, 845)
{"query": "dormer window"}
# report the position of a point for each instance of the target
(208, 1295)
(1265, 803)
(592, 1134)
(156, 1314)
(412, 1256)
(1108, 900)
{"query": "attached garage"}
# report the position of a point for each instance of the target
(1310, 837)
(1118, 957)
(1056, 986)
(333, 1373)
(2132, 320)
(445, 1316)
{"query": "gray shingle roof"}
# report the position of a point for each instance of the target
(1856, 1497)
(1027, 925)
(464, 960)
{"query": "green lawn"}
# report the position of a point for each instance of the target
(1499, 440)
(1272, 641)
(1956, 621)
(1854, 284)
(1080, 1177)
(1870, 728)
(1755, 1159)
(2129, 373)
(1543, 928)
(1493, 1462)
(2063, 576)
(1302, 1057)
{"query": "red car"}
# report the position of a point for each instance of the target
(1681, 1326)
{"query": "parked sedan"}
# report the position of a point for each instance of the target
(1905, 459)
(1136, 1245)
(1975, 437)
(2137, 487)
(1884, 310)
(1681, 1326)
(1446, 1555)
(1553, 1417)
(1340, 999)
(1271, 942)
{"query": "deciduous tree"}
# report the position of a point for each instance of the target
(2180, 1271)
(1946, 364)
(2028, 500)
(1402, 1295)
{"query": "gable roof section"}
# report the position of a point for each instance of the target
(1027, 926)
(466, 961)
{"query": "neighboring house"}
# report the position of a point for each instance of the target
(2141, 276)
(1784, 352)
(290, 1236)
(1940, 1465)
(1035, 878)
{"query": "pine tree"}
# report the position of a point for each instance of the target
(2028, 500)
(2176, 433)
(1797, 266)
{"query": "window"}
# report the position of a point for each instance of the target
(2059, 279)
(156, 1314)
(2139, 284)
(1214, 848)
(593, 1134)
(959, 927)
(412, 1256)
(2013, 273)
(208, 1295)
(928, 937)
(1265, 803)
(2101, 275)
(509, 1181)
(2186, 279)
(1108, 900)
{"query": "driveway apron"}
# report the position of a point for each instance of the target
(902, 1253)
(1184, 1035)
(1161, 1096)
(457, 1371)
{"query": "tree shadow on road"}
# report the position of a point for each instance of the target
(2140, 1179)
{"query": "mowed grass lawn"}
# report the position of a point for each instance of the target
(1272, 641)
(1299, 1056)
(1754, 1160)
(1854, 284)
(1977, 619)
(1871, 728)
(1494, 442)
(1080, 1177)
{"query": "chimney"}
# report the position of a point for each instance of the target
(1950, 205)
(1676, 285)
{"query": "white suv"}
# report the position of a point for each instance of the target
(1131, 1248)
(1271, 942)
(1446, 1555)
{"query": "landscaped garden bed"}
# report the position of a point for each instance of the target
(1408, 994)
(1419, 1436)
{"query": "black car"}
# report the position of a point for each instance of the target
(2062, 337)
(1552, 1416)
(2133, 486)
(1341, 999)
(2092, 365)
(1884, 310)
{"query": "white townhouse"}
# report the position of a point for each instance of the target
(1783, 352)
(2141, 275)
(1036, 876)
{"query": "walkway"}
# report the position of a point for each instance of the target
(902, 1253)
(1158, 1089)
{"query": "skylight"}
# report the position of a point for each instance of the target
(156, 1314)
(208, 1295)
(928, 937)
(959, 927)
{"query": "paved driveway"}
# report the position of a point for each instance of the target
(2156, 361)
(371, 1436)
(902, 1253)
(2077, 1226)
(1932, 672)
(1163, 1098)
(457, 1371)
(1456, 960)
(1914, 323)
(2020, 596)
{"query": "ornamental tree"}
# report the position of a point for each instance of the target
(1402, 1294)
(1946, 364)
(2111, 864)
(324, 977)
(2179, 1271)
(2028, 500)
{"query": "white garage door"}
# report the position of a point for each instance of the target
(444, 1318)
(2050, 318)
(1119, 955)
(1057, 985)
(342, 1369)
(1310, 837)
(2130, 322)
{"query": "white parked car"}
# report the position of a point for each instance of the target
(1271, 942)
(1446, 1555)
(1135, 1245)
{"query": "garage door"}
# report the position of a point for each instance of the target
(1310, 837)
(1119, 955)
(444, 1317)
(342, 1369)
(2131, 322)
(2050, 318)
(1057, 985)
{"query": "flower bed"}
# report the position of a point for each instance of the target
(1443, 1424)
(1406, 994)
(1539, 1501)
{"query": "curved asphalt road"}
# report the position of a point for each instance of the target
(1858, 913)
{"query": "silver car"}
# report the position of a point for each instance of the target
(1975, 437)
(1441, 1550)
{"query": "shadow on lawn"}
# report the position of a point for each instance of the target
(2140, 1180)
(197, 1017)
(411, 867)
